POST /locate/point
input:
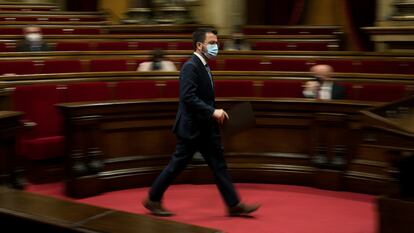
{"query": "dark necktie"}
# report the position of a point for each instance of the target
(209, 74)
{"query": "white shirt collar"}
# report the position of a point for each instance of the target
(201, 58)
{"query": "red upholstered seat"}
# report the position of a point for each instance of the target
(171, 89)
(184, 45)
(384, 67)
(72, 30)
(380, 92)
(27, 8)
(151, 45)
(245, 65)
(137, 89)
(316, 46)
(299, 46)
(271, 45)
(114, 45)
(372, 66)
(88, 91)
(3, 47)
(289, 65)
(388, 67)
(282, 88)
(18, 67)
(11, 31)
(233, 88)
(280, 30)
(343, 66)
(62, 66)
(72, 46)
(45, 140)
(101, 65)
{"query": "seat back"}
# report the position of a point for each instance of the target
(382, 92)
(282, 88)
(38, 104)
(137, 89)
(18, 67)
(234, 88)
(62, 66)
(171, 89)
(101, 65)
(88, 91)
(72, 46)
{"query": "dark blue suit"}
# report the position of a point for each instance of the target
(196, 130)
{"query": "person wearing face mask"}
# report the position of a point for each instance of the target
(157, 63)
(323, 87)
(33, 41)
(197, 129)
(237, 41)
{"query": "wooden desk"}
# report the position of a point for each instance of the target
(118, 145)
(388, 130)
(10, 164)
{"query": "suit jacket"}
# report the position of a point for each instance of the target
(26, 46)
(197, 101)
(338, 92)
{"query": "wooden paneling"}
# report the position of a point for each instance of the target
(11, 166)
(138, 142)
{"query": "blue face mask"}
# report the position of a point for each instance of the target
(212, 51)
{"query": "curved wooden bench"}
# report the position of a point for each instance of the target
(285, 146)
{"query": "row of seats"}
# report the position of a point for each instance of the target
(343, 65)
(110, 45)
(296, 46)
(174, 45)
(46, 139)
(290, 30)
(27, 7)
(56, 30)
(52, 18)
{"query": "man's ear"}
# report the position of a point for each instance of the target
(199, 45)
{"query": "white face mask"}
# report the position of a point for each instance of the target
(34, 37)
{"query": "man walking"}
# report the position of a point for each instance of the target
(197, 129)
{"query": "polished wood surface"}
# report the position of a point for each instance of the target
(395, 215)
(10, 165)
(295, 141)
(20, 211)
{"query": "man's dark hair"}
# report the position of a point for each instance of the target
(199, 35)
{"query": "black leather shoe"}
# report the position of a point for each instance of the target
(156, 208)
(242, 209)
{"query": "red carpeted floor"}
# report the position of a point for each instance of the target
(285, 209)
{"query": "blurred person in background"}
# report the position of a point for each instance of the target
(157, 63)
(324, 86)
(237, 41)
(33, 41)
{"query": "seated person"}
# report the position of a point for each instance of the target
(33, 41)
(237, 41)
(157, 63)
(324, 87)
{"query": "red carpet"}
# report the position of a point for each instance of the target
(285, 209)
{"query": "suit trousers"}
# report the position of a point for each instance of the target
(211, 149)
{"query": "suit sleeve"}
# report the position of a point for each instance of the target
(188, 87)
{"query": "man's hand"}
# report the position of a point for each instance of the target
(220, 116)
